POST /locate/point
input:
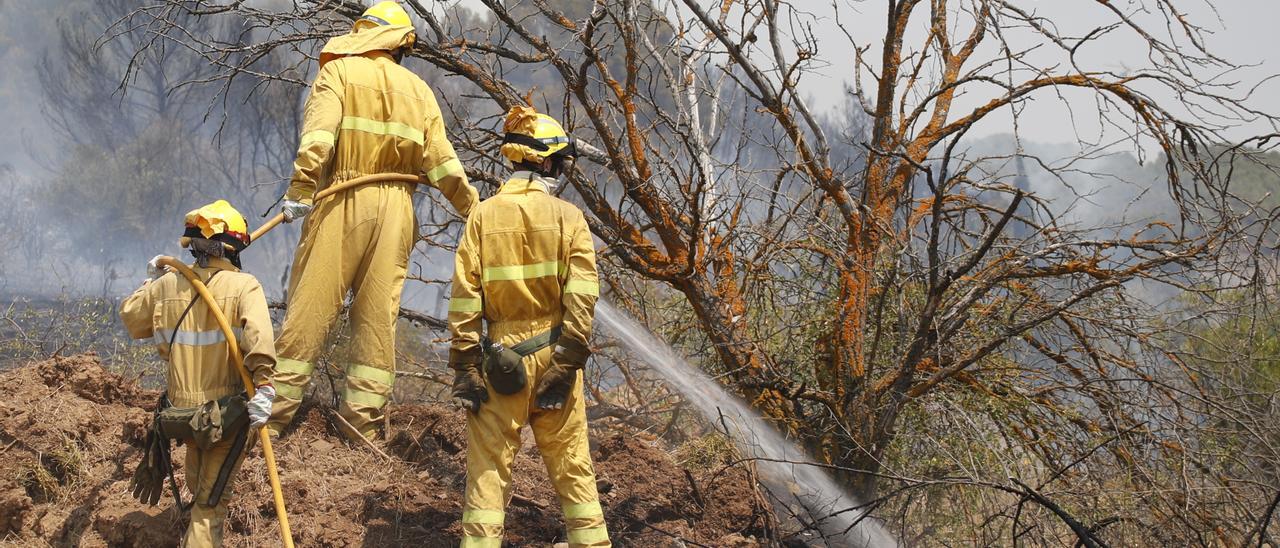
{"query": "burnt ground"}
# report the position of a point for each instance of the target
(70, 436)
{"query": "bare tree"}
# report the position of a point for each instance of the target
(873, 283)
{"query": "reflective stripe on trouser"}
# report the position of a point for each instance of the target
(290, 380)
(201, 469)
(364, 396)
(493, 437)
(357, 241)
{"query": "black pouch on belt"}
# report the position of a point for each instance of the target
(504, 367)
(206, 424)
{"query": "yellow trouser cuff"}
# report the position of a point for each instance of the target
(480, 542)
(584, 510)
(372, 373)
(588, 536)
(363, 398)
(298, 367)
(488, 517)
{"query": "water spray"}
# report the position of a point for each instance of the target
(839, 516)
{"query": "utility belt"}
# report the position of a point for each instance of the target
(202, 427)
(504, 366)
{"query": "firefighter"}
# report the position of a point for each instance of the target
(366, 115)
(202, 379)
(525, 271)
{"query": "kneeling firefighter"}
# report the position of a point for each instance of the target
(526, 266)
(204, 406)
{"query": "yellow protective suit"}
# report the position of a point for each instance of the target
(200, 369)
(366, 114)
(525, 264)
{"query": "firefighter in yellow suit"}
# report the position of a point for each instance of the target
(366, 114)
(526, 267)
(186, 333)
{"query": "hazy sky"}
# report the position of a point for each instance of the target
(1242, 31)
(1246, 34)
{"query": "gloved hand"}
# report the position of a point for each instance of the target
(260, 406)
(468, 388)
(553, 389)
(154, 270)
(294, 210)
(147, 483)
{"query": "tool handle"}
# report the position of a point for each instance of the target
(233, 348)
(339, 187)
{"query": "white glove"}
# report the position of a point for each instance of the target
(260, 406)
(294, 210)
(154, 270)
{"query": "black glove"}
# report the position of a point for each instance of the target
(468, 388)
(147, 483)
(553, 389)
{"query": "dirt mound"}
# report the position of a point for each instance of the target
(70, 433)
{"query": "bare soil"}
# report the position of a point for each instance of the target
(70, 437)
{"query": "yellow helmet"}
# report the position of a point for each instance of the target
(218, 222)
(533, 137)
(385, 14)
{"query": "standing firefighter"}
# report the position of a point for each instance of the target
(366, 115)
(527, 267)
(204, 406)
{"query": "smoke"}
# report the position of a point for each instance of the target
(102, 172)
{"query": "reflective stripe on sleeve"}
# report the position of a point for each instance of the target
(582, 287)
(443, 170)
(583, 510)
(486, 517)
(520, 272)
(465, 304)
(316, 136)
(588, 536)
(371, 373)
(376, 127)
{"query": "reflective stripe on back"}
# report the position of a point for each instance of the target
(193, 338)
(520, 272)
(376, 127)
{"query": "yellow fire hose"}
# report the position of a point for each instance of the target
(339, 187)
